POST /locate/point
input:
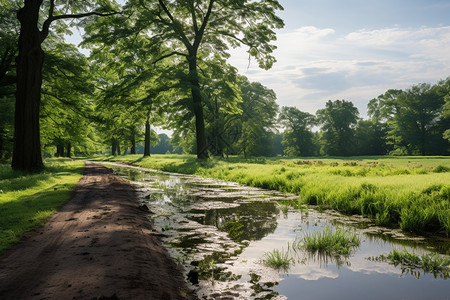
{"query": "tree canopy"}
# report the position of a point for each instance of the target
(164, 63)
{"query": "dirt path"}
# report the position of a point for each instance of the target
(100, 244)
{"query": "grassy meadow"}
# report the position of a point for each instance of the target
(410, 192)
(27, 200)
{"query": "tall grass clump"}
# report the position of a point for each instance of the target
(277, 259)
(330, 242)
(27, 200)
(431, 263)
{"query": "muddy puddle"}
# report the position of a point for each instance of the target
(220, 231)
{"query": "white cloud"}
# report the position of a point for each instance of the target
(315, 65)
(311, 33)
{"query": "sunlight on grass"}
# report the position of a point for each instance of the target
(27, 200)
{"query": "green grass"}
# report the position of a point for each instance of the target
(277, 259)
(410, 192)
(431, 263)
(330, 242)
(27, 200)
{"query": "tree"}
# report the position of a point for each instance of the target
(370, 138)
(417, 121)
(8, 50)
(66, 108)
(8, 47)
(297, 137)
(382, 111)
(163, 146)
(196, 30)
(34, 29)
(338, 120)
(414, 119)
(444, 92)
(223, 104)
(130, 79)
(257, 121)
(6, 126)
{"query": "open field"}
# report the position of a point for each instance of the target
(27, 200)
(410, 192)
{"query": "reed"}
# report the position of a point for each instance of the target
(277, 259)
(431, 263)
(330, 242)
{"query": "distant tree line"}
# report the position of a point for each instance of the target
(411, 122)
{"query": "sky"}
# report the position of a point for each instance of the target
(353, 50)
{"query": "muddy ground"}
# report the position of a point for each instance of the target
(100, 245)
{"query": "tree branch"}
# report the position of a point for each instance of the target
(67, 103)
(169, 55)
(194, 18)
(175, 25)
(233, 37)
(46, 25)
(199, 36)
(166, 10)
(51, 18)
(7, 80)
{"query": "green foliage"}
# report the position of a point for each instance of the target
(297, 137)
(338, 119)
(330, 242)
(415, 119)
(8, 52)
(257, 121)
(164, 145)
(6, 127)
(370, 138)
(67, 102)
(8, 46)
(191, 34)
(441, 169)
(27, 200)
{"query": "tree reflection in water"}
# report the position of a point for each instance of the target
(248, 222)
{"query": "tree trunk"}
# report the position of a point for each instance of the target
(2, 132)
(147, 139)
(202, 148)
(69, 150)
(133, 144)
(60, 150)
(27, 145)
(113, 147)
(118, 147)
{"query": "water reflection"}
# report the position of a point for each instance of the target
(219, 231)
(249, 221)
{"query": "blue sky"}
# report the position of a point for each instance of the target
(354, 50)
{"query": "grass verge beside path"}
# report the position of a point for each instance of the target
(410, 192)
(27, 200)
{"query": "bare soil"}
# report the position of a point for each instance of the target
(100, 245)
